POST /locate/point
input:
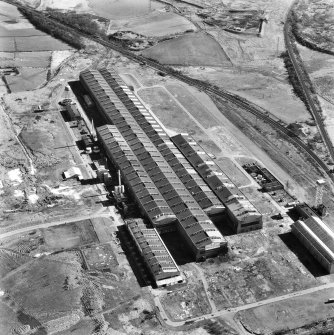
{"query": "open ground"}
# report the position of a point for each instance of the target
(82, 265)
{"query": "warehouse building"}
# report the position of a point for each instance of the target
(316, 236)
(141, 187)
(192, 221)
(203, 195)
(155, 253)
(242, 213)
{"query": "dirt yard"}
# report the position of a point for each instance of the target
(289, 314)
(253, 270)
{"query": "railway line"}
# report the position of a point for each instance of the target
(306, 91)
(201, 85)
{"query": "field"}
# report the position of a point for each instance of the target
(70, 235)
(113, 9)
(39, 43)
(25, 48)
(258, 266)
(194, 106)
(193, 49)
(235, 173)
(186, 303)
(99, 257)
(29, 289)
(314, 21)
(167, 110)
(289, 314)
(155, 24)
(27, 79)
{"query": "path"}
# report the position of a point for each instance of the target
(54, 223)
(230, 312)
(206, 287)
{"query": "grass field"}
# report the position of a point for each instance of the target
(194, 49)
(114, 9)
(289, 314)
(233, 171)
(157, 24)
(38, 289)
(168, 111)
(28, 79)
(27, 59)
(7, 44)
(191, 104)
(70, 235)
(39, 43)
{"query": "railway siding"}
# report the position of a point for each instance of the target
(206, 87)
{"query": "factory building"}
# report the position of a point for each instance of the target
(73, 112)
(203, 195)
(155, 254)
(192, 221)
(316, 236)
(304, 211)
(141, 187)
(242, 213)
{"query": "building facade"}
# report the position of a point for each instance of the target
(318, 238)
(155, 253)
(242, 213)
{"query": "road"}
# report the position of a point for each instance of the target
(302, 80)
(230, 312)
(203, 86)
(98, 214)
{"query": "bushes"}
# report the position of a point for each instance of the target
(83, 22)
(50, 28)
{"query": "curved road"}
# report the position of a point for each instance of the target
(234, 310)
(208, 88)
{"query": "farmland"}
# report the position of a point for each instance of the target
(192, 49)
(156, 24)
(25, 49)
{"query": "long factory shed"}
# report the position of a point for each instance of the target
(199, 232)
(242, 213)
(155, 253)
(318, 238)
(141, 186)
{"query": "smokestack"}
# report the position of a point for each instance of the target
(119, 178)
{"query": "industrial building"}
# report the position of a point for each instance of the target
(73, 112)
(155, 253)
(264, 177)
(192, 221)
(316, 236)
(242, 213)
(138, 183)
(207, 200)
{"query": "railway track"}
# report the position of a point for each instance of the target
(306, 91)
(201, 85)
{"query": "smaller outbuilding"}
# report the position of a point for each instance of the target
(73, 172)
(73, 112)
